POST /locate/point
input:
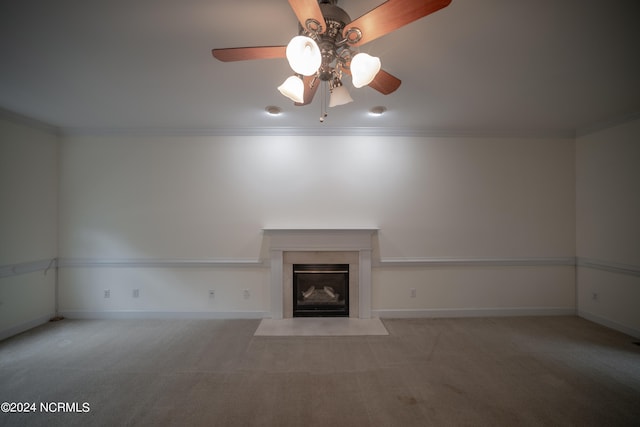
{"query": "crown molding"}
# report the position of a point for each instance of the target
(607, 124)
(319, 131)
(316, 131)
(21, 119)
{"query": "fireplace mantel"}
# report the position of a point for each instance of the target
(281, 240)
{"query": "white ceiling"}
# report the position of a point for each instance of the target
(477, 66)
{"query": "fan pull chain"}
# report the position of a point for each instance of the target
(323, 102)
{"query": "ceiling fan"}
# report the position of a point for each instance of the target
(326, 47)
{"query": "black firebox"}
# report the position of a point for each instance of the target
(321, 290)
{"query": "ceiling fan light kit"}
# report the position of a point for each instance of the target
(339, 96)
(364, 69)
(326, 48)
(304, 55)
(293, 88)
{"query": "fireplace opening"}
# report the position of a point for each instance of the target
(320, 290)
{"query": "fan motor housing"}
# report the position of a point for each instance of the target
(330, 40)
(334, 13)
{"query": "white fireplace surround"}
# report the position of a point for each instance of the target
(289, 240)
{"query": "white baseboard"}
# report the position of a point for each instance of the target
(473, 312)
(22, 327)
(609, 323)
(126, 314)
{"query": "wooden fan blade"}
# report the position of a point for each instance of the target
(308, 9)
(390, 16)
(309, 91)
(246, 53)
(385, 83)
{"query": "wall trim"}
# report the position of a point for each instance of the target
(133, 314)
(25, 326)
(158, 263)
(30, 122)
(17, 269)
(611, 267)
(607, 124)
(476, 262)
(612, 324)
(321, 131)
(473, 312)
(260, 263)
(291, 131)
(46, 264)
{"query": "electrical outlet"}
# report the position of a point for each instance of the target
(413, 293)
(136, 293)
(107, 293)
(212, 294)
(246, 294)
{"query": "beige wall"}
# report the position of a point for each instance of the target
(608, 226)
(474, 225)
(28, 224)
(207, 198)
(210, 197)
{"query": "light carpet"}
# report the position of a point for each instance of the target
(320, 326)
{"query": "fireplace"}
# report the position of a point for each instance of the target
(290, 246)
(320, 290)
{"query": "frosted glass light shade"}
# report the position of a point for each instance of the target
(293, 88)
(304, 55)
(364, 68)
(339, 96)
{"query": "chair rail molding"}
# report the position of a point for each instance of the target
(27, 267)
(611, 267)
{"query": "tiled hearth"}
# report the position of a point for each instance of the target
(320, 326)
(351, 246)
